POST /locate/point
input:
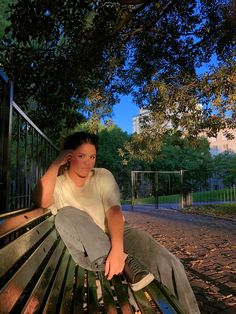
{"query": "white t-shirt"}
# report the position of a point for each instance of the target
(99, 193)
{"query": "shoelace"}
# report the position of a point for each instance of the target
(134, 265)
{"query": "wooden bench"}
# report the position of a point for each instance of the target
(38, 275)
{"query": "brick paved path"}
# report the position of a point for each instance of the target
(207, 248)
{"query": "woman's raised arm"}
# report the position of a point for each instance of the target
(42, 194)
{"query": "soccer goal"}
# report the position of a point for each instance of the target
(159, 189)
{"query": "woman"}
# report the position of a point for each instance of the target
(86, 202)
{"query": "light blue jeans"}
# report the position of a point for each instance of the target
(89, 246)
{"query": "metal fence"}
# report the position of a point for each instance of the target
(25, 152)
(218, 188)
(159, 188)
(178, 189)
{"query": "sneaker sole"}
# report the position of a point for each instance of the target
(142, 283)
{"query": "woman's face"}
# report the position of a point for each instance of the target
(83, 159)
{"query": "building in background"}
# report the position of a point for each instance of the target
(138, 120)
(220, 143)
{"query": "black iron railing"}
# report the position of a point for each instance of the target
(25, 152)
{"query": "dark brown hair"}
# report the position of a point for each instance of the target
(78, 138)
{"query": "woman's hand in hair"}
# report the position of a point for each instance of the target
(64, 157)
(42, 194)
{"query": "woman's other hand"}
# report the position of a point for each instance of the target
(115, 263)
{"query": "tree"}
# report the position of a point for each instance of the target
(225, 167)
(4, 14)
(110, 140)
(176, 153)
(77, 56)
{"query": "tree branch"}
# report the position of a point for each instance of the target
(129, 16)
(207, 37)
(161, 14)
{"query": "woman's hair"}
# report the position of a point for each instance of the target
(78, 138)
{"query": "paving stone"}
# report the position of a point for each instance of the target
(218, 275)
(231, 284)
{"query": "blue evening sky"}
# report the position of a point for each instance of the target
(123, 113)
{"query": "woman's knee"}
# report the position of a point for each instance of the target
(64, 219)
(71, 211)
(69, 214)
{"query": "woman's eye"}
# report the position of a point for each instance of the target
(83, 157)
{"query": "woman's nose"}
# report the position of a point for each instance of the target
(87, 160)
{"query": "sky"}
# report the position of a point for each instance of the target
(123, 112)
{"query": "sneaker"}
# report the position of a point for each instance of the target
(136, 274)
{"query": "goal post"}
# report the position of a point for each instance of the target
(159, 188)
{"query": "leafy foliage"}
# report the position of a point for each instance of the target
(71, 57)
(110, 141)
(225, 167)
(4, 12)
(175, 154)
(178, 153)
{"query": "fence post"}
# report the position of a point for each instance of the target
(6, 101)
(132, 190)
(181, 202)
(156, 190)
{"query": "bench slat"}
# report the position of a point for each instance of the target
(13, 224)
(68, 289)
(36, 298)
(159, 296)
(79, 291)
(11, 253)
(92, 300)
(109, 304)
(122, 295)
(144, 303)
(56, 289)
(13, 289)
